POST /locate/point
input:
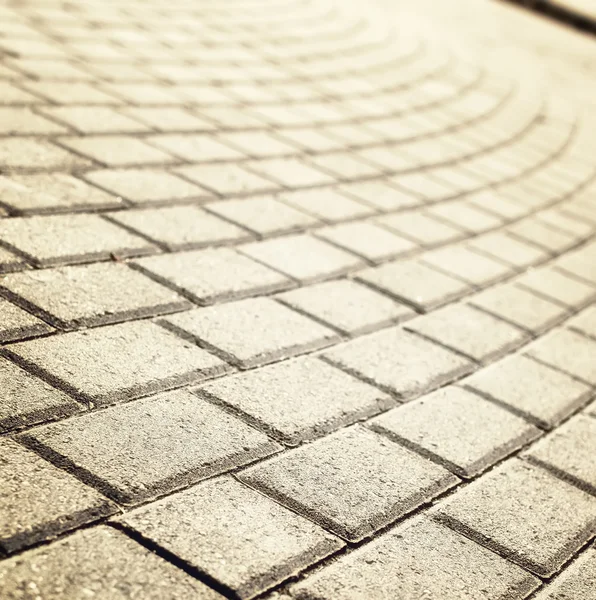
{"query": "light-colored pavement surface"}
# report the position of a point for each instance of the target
(296, 301)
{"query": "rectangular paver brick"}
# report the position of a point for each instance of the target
(94, 119)
(414, 283)
(290, 172)
(569, 452)
(17, 324)
(139, 450)
(23, 121)
(581, 263)
(10, 262)
(263, 543)
(89, 295)
(40, 501)
(195, 147)
(536, 232)
(302, 257)
(584, 322)
(419, 559)
(117, 362)
(63, 239)
(462, 214)
(25, 153)
(299, 399)
(382, 196)
(347, 306)
(499, 511)
(353, 482)
(457, 429)
(213, 275)
(252, 332)
(469, 331)
(115, 567)
(508, 249)
(399, 362)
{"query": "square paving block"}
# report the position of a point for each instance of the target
(26, 153)
(195, 147)
(508, 249)
(299, 399)
(18, 324)
(115, 567)
(499, 510)
(290, 172)
(10, 262)
(89, 295)
(117, 362)
(252, 332)
(584, 322)
(353, 482)
(420, 228)
(456, 428)
(417, 560)
(39, 501)
(238, 537)
(140, 450)
(399, 362)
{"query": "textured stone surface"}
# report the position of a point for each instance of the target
(421, 228)
(196, 147)
(473, 333)
(23, 153)
(9, 261)
(253, 332)
(115, 567)
(89, 295)
(117, 362)
(235, 535)
(147, 448)
(299, 399)
(537, 392)
(63, 239)
(415, 283)
(347, 306)
(569, 452)
(25, 399)
(327, 204)
(290, 172)
(180, 227)
(584, 322)
(399, 362)
(39, 501)
(213, 275)
(508, 249)
(18, 324)
(352, 482)
(456, 428)
(302, 257)
(419, 559)
(499, 511)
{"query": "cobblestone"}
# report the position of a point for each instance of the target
(144, 449)
(331, 480)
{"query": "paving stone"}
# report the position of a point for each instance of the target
(558, 287)
(117, 150)
(25, 153)
(263, 215)
(580, 263)
(577, 581)
(475, 334)
(534, 231)
(507, 249)
(195, 147)
(69, 92)
(344, 166)
(258, 144)
(569, 452)
(121, 361)
(227, 178)
(312, 140)
(213, 275)
(146, 187)
(456, 428)
(584, 322)
(347, 306)
(558, 219)
(115, 567)
(463, 263)
(367, 240)
(290, 172)
(302, 257)
(39, 501)
(414, 283)
(90, 295)
(381, 195)
(499, 511)
(23, 121)
(297, 400)
(519, 307)
(463, 215)
(94, 119)
(61, 239)
(423, 185)
(25, 399)
(52, 193)
(169, 118)
(353, 482)
(327, 204)
(10, 262)
(419, 559)
(420, 228)
(253, 332)
(17, 324)
(180, 227)
(238, 537)
(10, 94)
(140, 450)
(399, 362)
(567, 351)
